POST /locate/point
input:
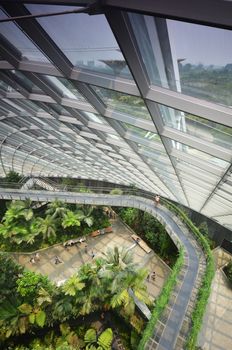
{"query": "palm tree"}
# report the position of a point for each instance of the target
(126, 279)
(18, 223)
(17, 212)
(84, 212)
(47, 226)
(71, 219)
(56, 209)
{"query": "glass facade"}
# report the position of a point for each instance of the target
(125, 97)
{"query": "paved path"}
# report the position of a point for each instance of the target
(73, 257)
(173, 331)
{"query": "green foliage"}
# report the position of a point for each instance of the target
(90, 336)
(73, 285)
(71, 219)
(9, 274)
(12, 177)
(203, 228)
(22, 226)
(116, 191)
(29, 285)
(105, 339)
(162, 300)
(204, 291)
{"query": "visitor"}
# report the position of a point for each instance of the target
(32, 260)
(153, 276)
(157, 200)
(137, 240)
(86, 249)
(57, 260)
(37, 256)
(92, 254)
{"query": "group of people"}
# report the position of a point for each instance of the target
(151, 276)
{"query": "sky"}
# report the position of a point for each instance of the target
(201, 44)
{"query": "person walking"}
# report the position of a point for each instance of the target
(157, 200)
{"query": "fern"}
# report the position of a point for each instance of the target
(90, 336)
(105, 339)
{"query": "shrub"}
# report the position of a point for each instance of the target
(116, 191)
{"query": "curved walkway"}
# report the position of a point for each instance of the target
(170, 333)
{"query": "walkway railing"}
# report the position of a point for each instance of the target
(50, 185)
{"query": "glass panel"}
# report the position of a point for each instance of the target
(95, 118)
(148, 135)
(69, 90)
(196, 126)
(186, 57)
(131, 105)
(87, 41)
(14, 105)
(6, 87)
(200, 155)
(64, 87)
(27, 83)
(18, 39)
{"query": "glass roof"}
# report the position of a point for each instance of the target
(80, 39)
(199, 56)
(136, 100)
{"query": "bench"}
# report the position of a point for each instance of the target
(141, 243)
(102, 231)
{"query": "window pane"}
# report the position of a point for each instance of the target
(148, 135)
(200, 155)
(87, 41)
(127, 104)
(186, 57)
(196, 126)
(18, 39)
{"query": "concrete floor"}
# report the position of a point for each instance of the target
(73, 257)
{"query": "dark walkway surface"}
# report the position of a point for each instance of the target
(171, 331)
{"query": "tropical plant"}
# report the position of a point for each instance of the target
(103, 342)
(18, 223)
(12, 177)
(56, 209)
(33, 315)
(73, 285)
(71, 219)
(47, 226)
(31, 285)
(9, 274)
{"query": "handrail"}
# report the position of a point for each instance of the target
(102, 189)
